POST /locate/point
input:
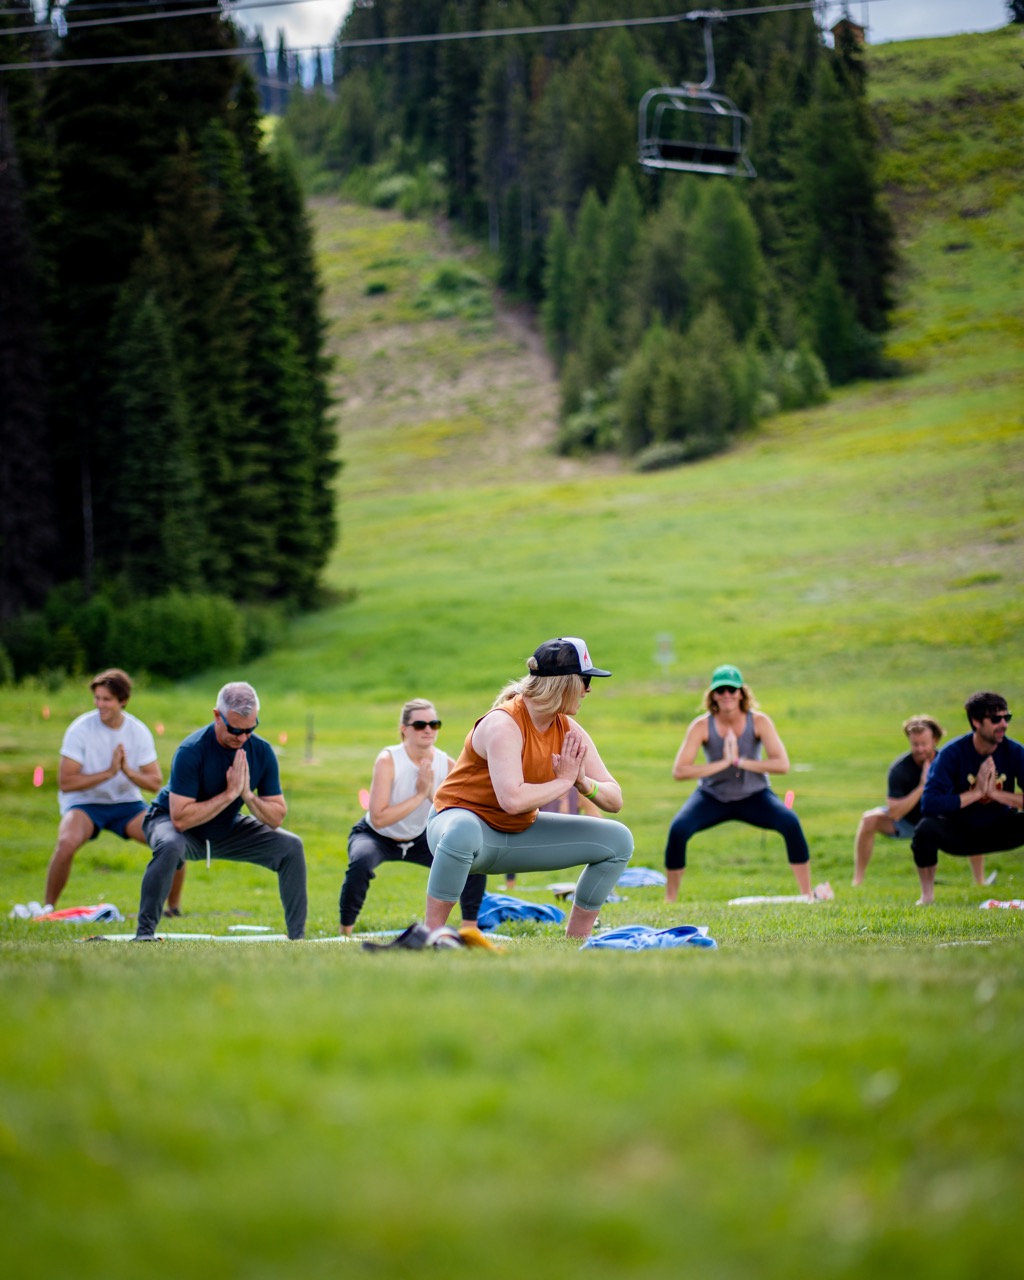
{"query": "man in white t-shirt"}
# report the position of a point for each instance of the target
(107, 759)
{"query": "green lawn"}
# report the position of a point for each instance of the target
(838, 1090)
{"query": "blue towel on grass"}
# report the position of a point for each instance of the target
(641, 937)
(496, 908)
(638, 877)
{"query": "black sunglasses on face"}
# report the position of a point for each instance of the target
(726, 688)
(423, 724)
(233, 729)
(586, 681)
(1001, 716)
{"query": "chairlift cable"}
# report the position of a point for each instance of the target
(341, 45)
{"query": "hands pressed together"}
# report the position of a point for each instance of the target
(238, 777)
(570, 761)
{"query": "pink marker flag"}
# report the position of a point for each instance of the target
(159, 728)
(790, 797)
(364, 797)
(37, 776)
(46, 712)
(283, 739)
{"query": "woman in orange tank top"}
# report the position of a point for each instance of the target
(524, 753)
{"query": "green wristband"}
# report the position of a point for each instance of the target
(591, 795)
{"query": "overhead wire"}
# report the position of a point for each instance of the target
(366, 42)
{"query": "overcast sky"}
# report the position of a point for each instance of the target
(316, 22)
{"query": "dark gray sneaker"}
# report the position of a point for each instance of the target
(412, 939)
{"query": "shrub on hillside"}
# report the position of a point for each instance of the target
(175, 635)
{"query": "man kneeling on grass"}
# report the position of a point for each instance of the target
(214, 772)
(970, 802)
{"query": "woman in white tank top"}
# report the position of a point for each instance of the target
(405, 777)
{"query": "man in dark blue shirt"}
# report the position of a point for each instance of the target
(971, 803)
(214, 772)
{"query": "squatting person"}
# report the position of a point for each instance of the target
(214, 772)
(733, 783)
(970, 803)
(523, 753)
(405, 778)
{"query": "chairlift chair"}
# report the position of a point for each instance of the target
(692, 129)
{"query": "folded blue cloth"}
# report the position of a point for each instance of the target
(641, 937)
(496, 908)
(637, 877)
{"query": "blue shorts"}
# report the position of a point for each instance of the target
(904, 830)
(111, 817)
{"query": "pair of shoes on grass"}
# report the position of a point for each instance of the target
(418, 937)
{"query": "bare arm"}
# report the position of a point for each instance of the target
(71, 778)
(382, 812)
(148, 778)
(775, 759)
(498, 740)
(898, 807)
(609, 793)
(188, 812)
(685, 765)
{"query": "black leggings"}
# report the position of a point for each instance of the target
(367, 849)
(764, 810)
(964, 839)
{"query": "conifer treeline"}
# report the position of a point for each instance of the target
(678, 308)
(164, 410)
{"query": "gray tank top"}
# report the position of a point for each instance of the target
(733, 784)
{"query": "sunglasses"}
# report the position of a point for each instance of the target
(1000, 716)
(586, 681)
(234, 730)
(423, 724)
(726, 688)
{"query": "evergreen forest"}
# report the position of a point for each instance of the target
(680, 309)
(166, 454)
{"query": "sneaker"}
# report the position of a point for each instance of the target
(990, 878)
(445, 937)
(412, 939)
(20, 912)
(473, 937)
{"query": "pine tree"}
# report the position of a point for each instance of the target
(621, 233)
(190, 262)
(27, 541)
(282, 75)
(724, 263)
(115, 131)
(585, 262)
(557, 305)
(155, 504)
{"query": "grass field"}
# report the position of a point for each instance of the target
(837, 1090)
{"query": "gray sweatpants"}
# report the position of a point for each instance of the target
(248, 841)
(461, 842)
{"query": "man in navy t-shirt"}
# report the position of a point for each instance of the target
(971, 803)
(214, 772)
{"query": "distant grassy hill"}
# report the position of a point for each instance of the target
(949, 116)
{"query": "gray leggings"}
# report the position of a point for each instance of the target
(462, 843)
